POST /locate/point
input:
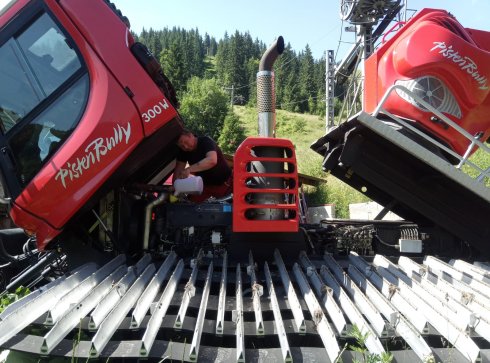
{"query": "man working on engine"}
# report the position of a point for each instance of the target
(201, 156)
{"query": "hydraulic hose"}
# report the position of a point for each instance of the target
(31, 272)
(14, 235)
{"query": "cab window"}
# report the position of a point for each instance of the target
(34, 143)
(43, 91)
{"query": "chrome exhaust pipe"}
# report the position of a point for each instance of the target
(266, 96)
(266, 107)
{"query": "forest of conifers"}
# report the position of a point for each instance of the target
(233, 61)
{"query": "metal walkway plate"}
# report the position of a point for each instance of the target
(212, 310)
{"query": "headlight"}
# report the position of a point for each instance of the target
(433, 91)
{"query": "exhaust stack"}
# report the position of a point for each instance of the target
(265, 177)
(266, 97)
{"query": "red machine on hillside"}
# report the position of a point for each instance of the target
(425, 103)
(74, 121)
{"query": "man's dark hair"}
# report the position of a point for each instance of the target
(186, 132)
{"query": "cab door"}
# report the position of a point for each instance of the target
(66, 123)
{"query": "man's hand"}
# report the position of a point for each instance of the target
(182, 174)
(185, 173)
(179, 171)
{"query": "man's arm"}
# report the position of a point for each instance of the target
(179, 170)
(208, 162)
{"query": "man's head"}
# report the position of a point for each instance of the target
(187, 141)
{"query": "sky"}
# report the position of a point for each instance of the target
(313, 22)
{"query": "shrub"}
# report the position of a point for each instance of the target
(232, 135)
(204, 107)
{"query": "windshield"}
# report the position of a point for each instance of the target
(33, 65)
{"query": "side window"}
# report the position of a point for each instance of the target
(18, 95)
(33, 65)
(48, 54)
(40, 138)
(43, 92)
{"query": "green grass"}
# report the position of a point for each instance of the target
(363, 355)
(480, 159)
(9, 298)
(301, 129)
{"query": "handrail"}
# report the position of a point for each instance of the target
(430, 139)
(474, 140)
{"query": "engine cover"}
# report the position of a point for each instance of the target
(198, 215)
(444, 64)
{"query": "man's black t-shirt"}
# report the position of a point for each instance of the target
(218, 174)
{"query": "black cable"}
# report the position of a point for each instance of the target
(340, 40)
(305, 232)
(378, 239)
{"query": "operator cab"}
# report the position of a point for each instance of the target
(74, 123)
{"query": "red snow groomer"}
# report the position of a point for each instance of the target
(442, 63)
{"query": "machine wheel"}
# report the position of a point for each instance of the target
(347, 8)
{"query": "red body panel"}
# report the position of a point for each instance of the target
(241, 174)
(111, 127)
(480, 37)
(434, 45)
(85, 161)
(12, 10)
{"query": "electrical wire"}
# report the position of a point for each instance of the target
(340, 40)
(282, 65)
(325, 35)
(292, 58)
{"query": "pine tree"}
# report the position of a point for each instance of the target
(287, 85)
(173, 65)
(222, 59)
(207, 44)
(233, 61)
(306, 79)
(235, 65)
(213, 47)
(252, 68)
(282, 68)
(319, 76)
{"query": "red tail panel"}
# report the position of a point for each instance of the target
(255, 188)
